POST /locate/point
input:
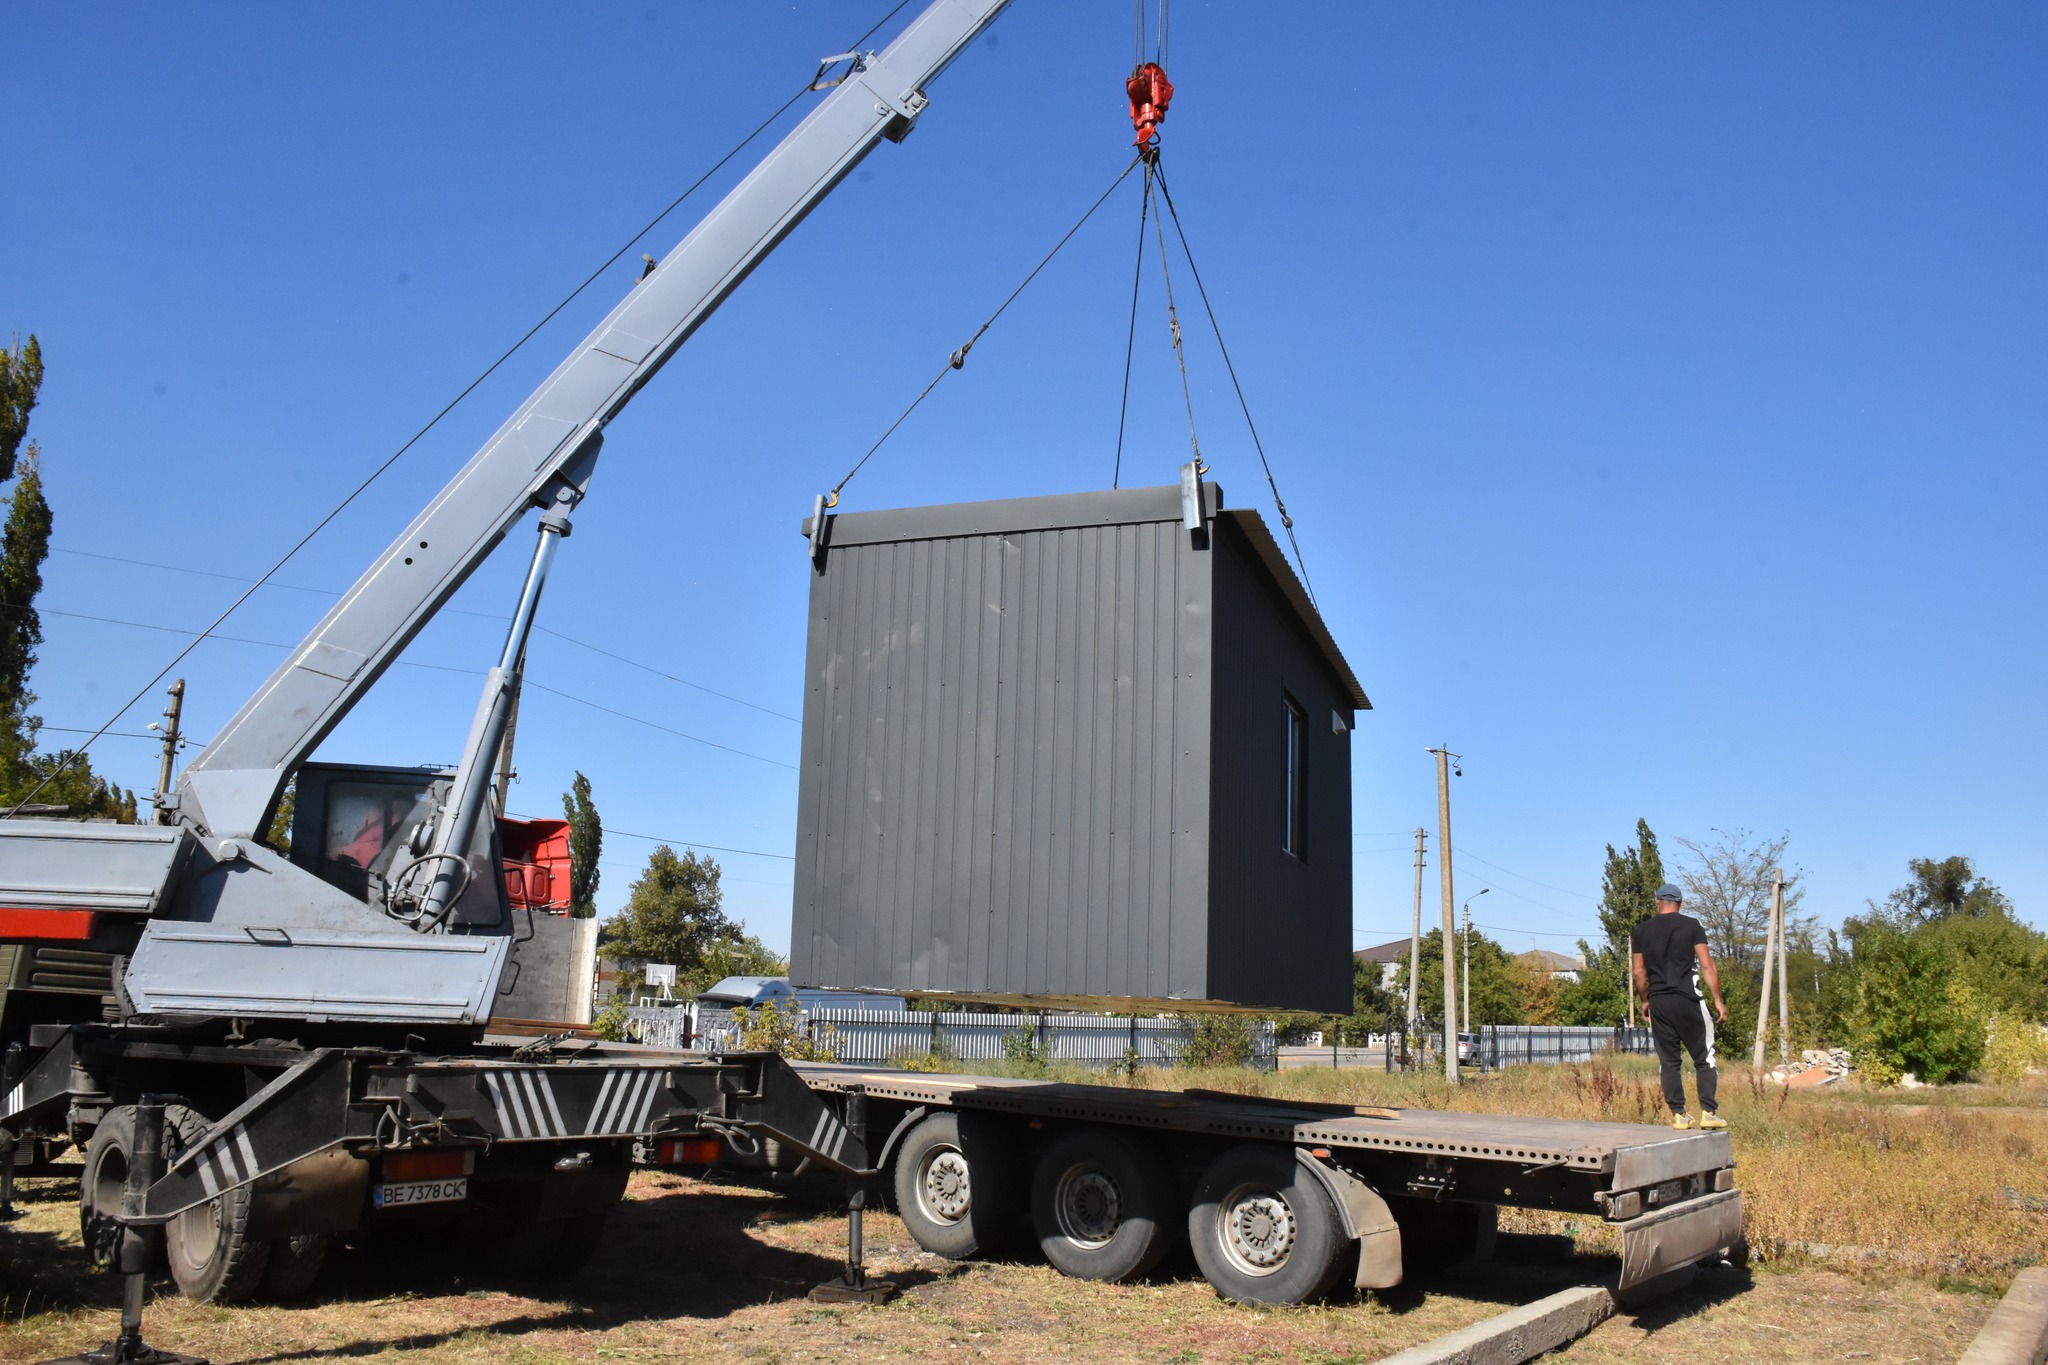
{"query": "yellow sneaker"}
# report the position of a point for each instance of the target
(1683, 1121)
(1712, 1120)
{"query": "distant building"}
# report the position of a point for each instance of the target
(1560, 966)
(1391, 957)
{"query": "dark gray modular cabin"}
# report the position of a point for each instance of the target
(1067, 749)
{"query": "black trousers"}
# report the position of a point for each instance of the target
(1677, 1020)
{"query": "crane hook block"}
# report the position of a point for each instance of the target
(1150, 93)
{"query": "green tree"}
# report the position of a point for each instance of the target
(1599, 998)
(1496, 993)
(23, 546)
(64, 778)
(1913, 1012)
(586, 842)
(21, 378)
(675, 913)
(1373, 1006)
(1628, 889)
(1948, 888)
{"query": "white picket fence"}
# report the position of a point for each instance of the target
(878, 1037)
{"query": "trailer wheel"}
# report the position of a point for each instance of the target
(1102, 1205)
(957, 1184)
(1263, 1229)
(213, 1257)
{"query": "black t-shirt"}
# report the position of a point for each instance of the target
(1666, 943)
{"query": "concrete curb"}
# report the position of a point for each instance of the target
(1517, 1335)
(2017, 1333)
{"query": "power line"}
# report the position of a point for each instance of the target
(673, 842)
(441, 668)
(482, 615)
(434, 421)
(1563, 890)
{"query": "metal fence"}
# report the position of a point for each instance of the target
(878, 1037)
(1520, 1044)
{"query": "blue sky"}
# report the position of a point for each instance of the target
(1661, 391)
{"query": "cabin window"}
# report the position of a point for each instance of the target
(1297, 781)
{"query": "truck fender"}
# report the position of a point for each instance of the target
(1366, 1218)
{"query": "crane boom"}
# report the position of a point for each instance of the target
(543, 455)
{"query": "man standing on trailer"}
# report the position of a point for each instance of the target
(1671, 958)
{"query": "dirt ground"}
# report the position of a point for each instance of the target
(694, 1271)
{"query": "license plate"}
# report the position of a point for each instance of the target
(421, 1192)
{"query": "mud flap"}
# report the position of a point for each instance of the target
(1366, 1218)
(1672, 1238)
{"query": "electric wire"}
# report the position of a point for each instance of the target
(959, 358)
(457, 611)
(1286, 520)
(394, 457)
(1131, 337)
(435, 668)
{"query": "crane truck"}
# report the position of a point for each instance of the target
(299, 1041)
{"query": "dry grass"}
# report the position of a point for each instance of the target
(695, 1271)
(1913, 1180)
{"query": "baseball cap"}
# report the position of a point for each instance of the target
(1669, 892)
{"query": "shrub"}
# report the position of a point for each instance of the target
(1912, 1012)
(765, 1028)
(2014, 1048)
(1219, 1040)
(610, 1023)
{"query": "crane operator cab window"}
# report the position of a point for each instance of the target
(364, 836)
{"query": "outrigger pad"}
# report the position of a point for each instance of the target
(119, 1353)
(844, 1290)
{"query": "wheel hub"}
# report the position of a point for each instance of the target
(1259, 1230)
(945, 1187)
(1091, 1207)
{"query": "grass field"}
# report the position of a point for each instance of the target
(697, 1271)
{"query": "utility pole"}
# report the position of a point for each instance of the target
(1763, 1004)
(1465, 955)
(1784, 968)
(1410, 1030)
(172, 715)
(1443, 854)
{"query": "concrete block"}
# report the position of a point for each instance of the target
(1517, 1335)
(2017, 1333)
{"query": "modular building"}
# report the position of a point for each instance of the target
(1073, 750)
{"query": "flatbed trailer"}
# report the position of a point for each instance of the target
(1273, 1196)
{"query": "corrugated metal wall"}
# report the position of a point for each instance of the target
(1280, 944)
(997, 795)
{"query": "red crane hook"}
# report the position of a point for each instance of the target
(1150, 93)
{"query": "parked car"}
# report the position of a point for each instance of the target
(1468, 1047)
(735, 992)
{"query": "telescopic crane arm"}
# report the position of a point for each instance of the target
(544, 454)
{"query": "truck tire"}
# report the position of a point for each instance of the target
(1102, 1205)
(957, 1186)
(1263, 1228)
(99, 1187)
(295, 1264)
(214, 1256)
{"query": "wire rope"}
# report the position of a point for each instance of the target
(958, 359)
(1179, 353)
(1131, 337)
(1286, 520)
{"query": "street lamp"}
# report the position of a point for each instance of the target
(1467, 952)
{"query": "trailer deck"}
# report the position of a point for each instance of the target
(1669, 1195)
